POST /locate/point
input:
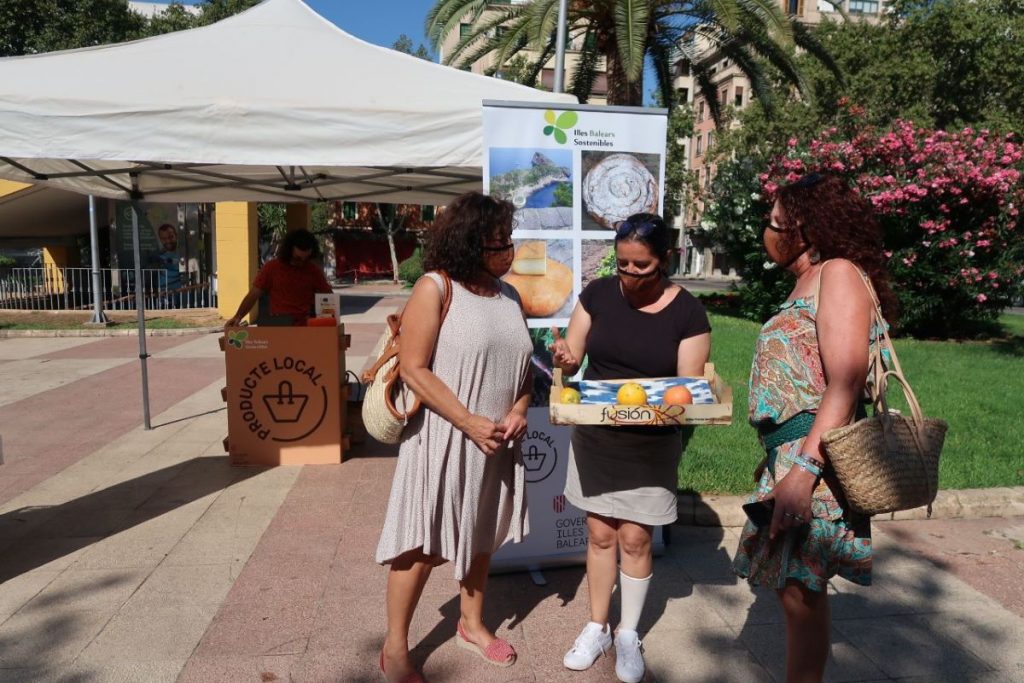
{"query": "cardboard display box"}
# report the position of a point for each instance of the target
(612, 415)
(285, 394)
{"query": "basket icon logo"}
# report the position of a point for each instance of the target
(559, 123)
(283, 398)
(285, 405)
(539, 455)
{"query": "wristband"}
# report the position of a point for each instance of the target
(808, 464)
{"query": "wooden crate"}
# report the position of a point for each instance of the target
(613, 415)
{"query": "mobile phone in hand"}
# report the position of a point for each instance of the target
(760, 512)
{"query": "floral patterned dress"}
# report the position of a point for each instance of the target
(787, 379)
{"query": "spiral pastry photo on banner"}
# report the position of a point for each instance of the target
(617, 185)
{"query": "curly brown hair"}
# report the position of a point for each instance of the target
(454, 242)
(833, 218)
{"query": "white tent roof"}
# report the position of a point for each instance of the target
(273, 104)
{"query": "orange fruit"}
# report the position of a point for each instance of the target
(569, 395)
(677, 396)
(631, 394)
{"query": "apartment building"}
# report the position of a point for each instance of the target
(732, 89)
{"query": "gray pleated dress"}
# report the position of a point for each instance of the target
(447, 496)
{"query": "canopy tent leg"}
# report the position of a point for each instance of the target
(140, 307)
(98, 316)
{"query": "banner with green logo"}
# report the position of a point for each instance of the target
(573, 174)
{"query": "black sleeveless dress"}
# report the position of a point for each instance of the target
(630, 473)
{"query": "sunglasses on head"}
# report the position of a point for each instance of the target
(642, 228)
(809, 180)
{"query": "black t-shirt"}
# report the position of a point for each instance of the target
(625, 343)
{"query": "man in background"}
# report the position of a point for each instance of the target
(170, 278)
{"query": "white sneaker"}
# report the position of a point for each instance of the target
(590, 644)
(629, 657)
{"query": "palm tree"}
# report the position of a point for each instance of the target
(624, 33)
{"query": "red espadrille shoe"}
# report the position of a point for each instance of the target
(500, 652)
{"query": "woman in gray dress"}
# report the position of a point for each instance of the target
(459, 487)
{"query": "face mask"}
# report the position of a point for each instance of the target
(639, 277)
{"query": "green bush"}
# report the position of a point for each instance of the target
(6, 261)
(411, 269)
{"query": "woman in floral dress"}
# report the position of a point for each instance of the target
(808, 377)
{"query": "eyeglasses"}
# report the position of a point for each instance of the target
(642, 228)
(502, 247)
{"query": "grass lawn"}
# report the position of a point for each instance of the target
(971, 385)
(65, 320)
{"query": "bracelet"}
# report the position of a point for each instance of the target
(809, 464)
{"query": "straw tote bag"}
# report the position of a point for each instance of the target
(388, 404)
(887, 462)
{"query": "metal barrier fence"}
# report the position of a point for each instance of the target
(52, 288)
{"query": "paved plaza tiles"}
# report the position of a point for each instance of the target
(134, 555)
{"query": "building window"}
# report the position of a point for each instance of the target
(348, 211)
(711, 139)
(500, 31)
(864, 6)
(739, 97)
(590, 41)
(465, 30)
(427, 212)
(683, 94)
(723, 96)
(700, 111)
(796, 7)
(700, 142)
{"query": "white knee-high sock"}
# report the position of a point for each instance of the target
(634, 595)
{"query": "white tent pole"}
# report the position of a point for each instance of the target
(140, 303)
(560, 47)
(98, 316)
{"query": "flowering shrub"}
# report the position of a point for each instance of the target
(949, 205)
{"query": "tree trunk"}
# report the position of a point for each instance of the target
(394, 255)
(620, 89)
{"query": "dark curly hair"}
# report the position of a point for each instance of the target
(650, 230)
(303, 239)
(832, 217)
(454, 242)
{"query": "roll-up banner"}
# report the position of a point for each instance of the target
(573, 174)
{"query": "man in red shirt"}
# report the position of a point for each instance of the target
(291, 279)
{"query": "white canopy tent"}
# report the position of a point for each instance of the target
(273, 104)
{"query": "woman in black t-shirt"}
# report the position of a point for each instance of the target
(634, 324)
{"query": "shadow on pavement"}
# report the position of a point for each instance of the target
(74, 525)
(915, 622)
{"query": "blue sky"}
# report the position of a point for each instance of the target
(379, 22)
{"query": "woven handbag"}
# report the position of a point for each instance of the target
(388, 403)
(887, 462)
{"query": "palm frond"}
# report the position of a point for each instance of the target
(631, 26)
(445, 17)
(662, 59)
(808, 41)
(585, 74)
